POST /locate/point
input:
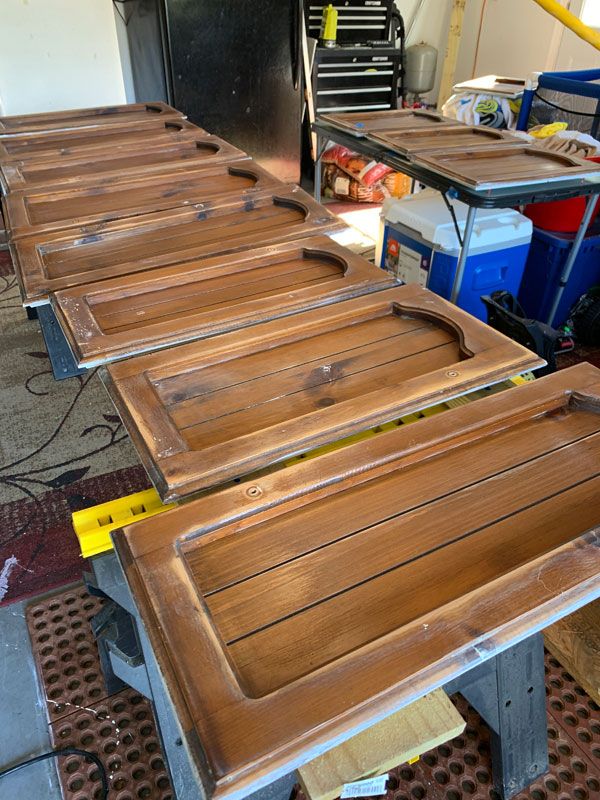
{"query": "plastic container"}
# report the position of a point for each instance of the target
(418, 243)
(562, 216)
(547, 257)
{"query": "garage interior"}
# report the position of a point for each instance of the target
(300, 324)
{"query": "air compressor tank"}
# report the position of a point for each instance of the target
(421, 61)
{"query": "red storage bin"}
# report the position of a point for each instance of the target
(560, 216)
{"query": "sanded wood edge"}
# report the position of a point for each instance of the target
(37, 285)
(90, 113)
(363, 460)
(51, 137)
(141, 599)
(473, 336)
(92, 347)
(16, 202)
(555, 585)
(491, 137)
(14, 178)
(159, 429)
(245, 454)
(437, 161)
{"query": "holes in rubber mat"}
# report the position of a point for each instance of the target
(120, 728)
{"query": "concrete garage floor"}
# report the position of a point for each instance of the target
(23, 725)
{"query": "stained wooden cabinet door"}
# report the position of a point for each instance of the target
(53, 261)
(216, 410)
(443, 138)
(505, 164)
(180, 149)
(290, 613)
(150, 310)
(98, 117)
(407, 119)
(36, 211)
(68, 144)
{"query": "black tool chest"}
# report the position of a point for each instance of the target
(355, 78)
(359, 21)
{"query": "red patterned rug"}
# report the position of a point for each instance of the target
(62, 448)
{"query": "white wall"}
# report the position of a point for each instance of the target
(502, 37)
(57, 54)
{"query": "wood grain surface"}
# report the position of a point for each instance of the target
(443, 138)
(52, 261)
(404, 736)
(575, 642)
(407, 119)
(505, 164)
(149, 310)
(183, 148)
(216, 410)
(97, 117)
(291, 613)
(73, 142)
(40, 210)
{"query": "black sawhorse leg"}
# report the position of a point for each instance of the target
(61, 356)
(508, 691)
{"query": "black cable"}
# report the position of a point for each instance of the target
(453, 215)
(65, 751)
(566, 110)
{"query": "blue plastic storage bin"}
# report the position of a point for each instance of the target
(418, 243)
(547, 257)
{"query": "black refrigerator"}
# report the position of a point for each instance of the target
(233, 67)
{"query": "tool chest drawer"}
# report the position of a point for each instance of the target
(351, 78)
(358, 20)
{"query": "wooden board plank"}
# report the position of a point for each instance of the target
(97, 117)
(407, 119)
(74, 142)
(183, 149)
(57, 260)
(407, 734)
(41, 210)
(480, 167)
(248, 399)
(451, 56)
(478, 554)
(132, 314)
(443, 138)
(575, 642)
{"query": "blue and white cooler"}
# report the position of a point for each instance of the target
(418, 244)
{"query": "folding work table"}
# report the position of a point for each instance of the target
(501, 196)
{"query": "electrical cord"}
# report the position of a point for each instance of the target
(65, 751)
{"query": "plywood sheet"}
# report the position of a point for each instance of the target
(443, 138)
(505, 164)
(37, 211)
(150, 310)
(216, 410)
(69, 144)
(97, 117)
(53, 261)
(408, 119)
(185, 148)
(293, 612)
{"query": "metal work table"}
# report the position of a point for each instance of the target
(506, 196)
(506, 688)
